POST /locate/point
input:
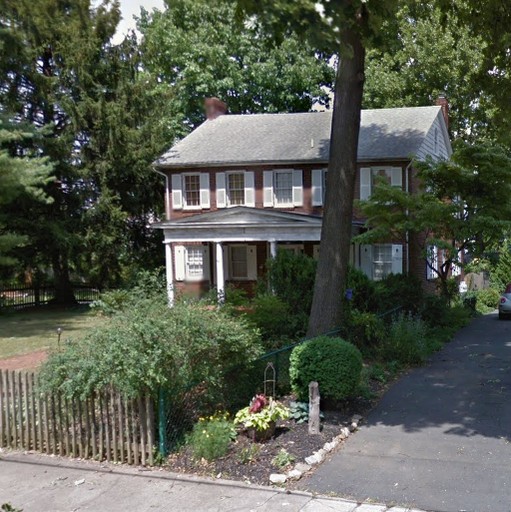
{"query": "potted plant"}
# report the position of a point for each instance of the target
(259, 419)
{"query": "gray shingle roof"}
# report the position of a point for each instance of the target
(229, 140)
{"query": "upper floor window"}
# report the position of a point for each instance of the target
(235, 188)
(283, 188)
(191, 190)
(369, 175)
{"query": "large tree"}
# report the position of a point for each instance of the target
(22, 173)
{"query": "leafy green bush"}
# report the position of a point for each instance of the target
(364, 291)
(283, 459)
(334, 363)
(399, 290)
(211, 437)
(435, 310)
(291, 278)
(146, 345)
(365, 330)
(405, 341)
(487, 300)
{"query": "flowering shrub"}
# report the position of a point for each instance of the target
(261, 414)
(211, 437)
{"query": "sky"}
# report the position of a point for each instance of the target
(129, 8)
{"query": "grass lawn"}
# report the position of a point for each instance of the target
(22, 332)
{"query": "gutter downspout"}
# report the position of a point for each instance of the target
(407, 236)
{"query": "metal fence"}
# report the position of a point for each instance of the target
(19, 297)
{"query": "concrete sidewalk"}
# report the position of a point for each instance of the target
(37, 483)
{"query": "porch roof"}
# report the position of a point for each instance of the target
(243, 224)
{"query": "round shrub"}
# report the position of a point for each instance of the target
(334, 363)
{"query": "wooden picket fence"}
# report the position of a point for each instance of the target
(106, 426)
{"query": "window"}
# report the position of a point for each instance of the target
(368, 176)
(432, 262)
(294, 248)
(235, 188)
(239, 262)
(283, 187)
(191, 263)
(382, 261)
(194, 263)
(191, 190)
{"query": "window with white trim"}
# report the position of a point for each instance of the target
(283, 188)
(432, 262)
(194, 263)
(239, 262)
(191, 191)
(369, 175)
(235, 188)
(382, 261)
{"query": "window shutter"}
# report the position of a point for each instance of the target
(315, 251)
(249, 189)
(397, 259)
(204, 190)
(206, 264)
(268, 188)
(396, 177)
(220, 190)
(252, 262)
(317, 187)
(366, 260)
(180, 262)
(365, 183)
(297, 188)
(177, 192)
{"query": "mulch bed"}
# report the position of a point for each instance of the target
(252, 462)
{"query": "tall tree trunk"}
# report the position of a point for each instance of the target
(326, 311)
(64, 294)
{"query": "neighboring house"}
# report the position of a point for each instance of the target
(240, 187)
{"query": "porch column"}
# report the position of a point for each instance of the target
(273, 248)
(169, 272)
(220, 277)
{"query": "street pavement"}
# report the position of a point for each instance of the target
(38, 483)
(440, 437)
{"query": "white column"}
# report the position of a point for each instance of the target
(273, 248)
(220, 277)
(169, 271)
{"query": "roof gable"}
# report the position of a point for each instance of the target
(385, 134)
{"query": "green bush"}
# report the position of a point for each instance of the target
(211, 437)
(487, 300)
(291, 277)
(146, 346)
(365, 330)
(364, 291)
(334, 363)
(399, 290)
(435, 311)
(406, 341)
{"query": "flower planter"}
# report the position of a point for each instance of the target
(261, 435)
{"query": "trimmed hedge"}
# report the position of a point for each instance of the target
(334, 363)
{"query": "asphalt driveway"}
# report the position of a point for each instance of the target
(441, 437)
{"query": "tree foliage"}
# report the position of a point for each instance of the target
(462, 207)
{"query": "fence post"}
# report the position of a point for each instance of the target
(162, 423)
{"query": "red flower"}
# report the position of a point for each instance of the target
(258, 403)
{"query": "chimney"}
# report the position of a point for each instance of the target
(214, 108)
(442, 101)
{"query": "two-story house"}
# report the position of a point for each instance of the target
(240, 187)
